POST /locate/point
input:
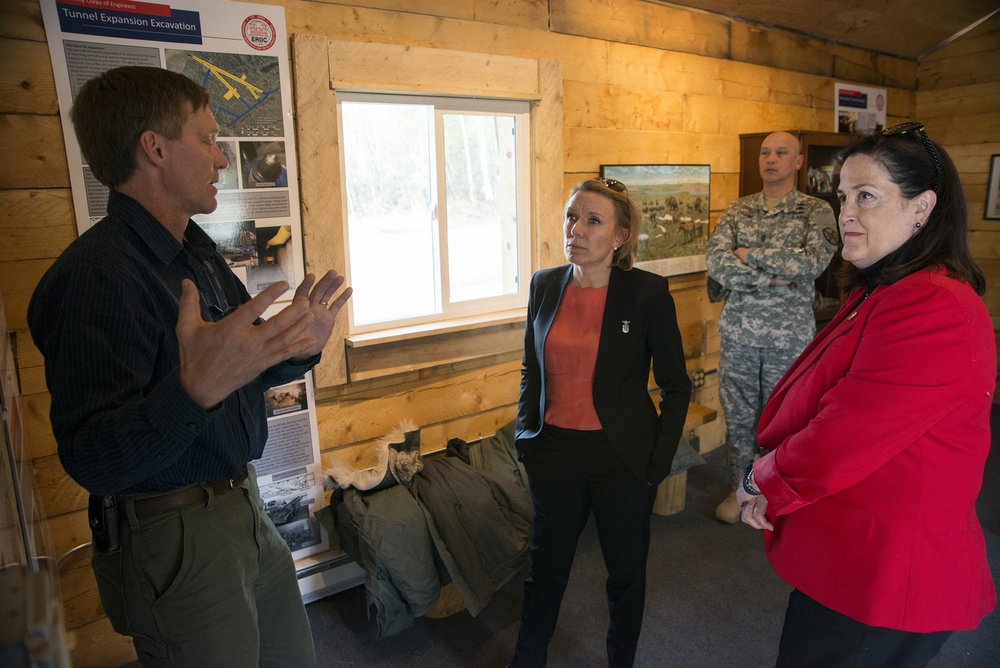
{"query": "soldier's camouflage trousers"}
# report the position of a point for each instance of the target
(746, 377)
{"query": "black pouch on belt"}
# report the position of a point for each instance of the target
(102, 513)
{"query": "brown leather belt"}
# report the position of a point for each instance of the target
(188, 496)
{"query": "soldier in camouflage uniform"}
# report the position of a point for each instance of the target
(766, 252)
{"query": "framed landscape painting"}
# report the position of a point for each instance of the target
(674, 201)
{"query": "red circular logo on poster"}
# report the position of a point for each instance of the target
(258, 32)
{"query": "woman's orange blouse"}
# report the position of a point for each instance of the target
(570, 359)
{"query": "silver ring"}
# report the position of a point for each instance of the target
(324, 303)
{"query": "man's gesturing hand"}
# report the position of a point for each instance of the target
(323, 306)
(217, 358)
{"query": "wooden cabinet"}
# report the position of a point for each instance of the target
(816, 178)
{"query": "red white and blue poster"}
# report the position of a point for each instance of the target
(859, 109)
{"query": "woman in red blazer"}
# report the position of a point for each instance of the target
(876, 437)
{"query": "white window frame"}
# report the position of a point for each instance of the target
(520, 111)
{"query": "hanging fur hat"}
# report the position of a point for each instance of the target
(404, 455)
(392, 458)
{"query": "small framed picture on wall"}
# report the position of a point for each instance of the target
(674, 201)
(993, 190)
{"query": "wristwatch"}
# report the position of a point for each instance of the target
(748, 485)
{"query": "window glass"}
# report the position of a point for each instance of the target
(482, 206)
(436, 207)
(391, 233)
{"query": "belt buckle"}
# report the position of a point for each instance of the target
(234, 482)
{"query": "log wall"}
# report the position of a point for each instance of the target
(958, 98)
(641, 83)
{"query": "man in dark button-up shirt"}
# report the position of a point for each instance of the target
(157, 360)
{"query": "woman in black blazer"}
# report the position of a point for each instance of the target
(587, 430)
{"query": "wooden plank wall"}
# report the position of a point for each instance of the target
(643, 83)
(958, 97)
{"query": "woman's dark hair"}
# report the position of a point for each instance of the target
(113, 109)
(910, 163)
(628, 218)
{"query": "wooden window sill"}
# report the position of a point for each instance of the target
(417, 348)
(410, 332)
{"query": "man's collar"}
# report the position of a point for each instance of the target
(156, 236)
(198, 241)
(784, 203)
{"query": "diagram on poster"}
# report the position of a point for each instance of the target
(245, 89)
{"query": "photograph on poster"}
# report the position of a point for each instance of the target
(260, 256)
(264, 164)
(245, 89)
(292, 519)
(274, 251)
(287, 510)
(300, 534)
(236, 241)
(674, 201)
(992, 210)
(286, 399)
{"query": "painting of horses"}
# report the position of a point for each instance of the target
(674, 201)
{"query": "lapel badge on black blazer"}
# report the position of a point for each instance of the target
(625, 326)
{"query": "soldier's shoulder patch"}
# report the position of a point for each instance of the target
(831, 235)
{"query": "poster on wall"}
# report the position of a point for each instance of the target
(289, 473)
(239, 53)
(674, 202)
(859, 109)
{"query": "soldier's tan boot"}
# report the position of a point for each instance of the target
(728, 511)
